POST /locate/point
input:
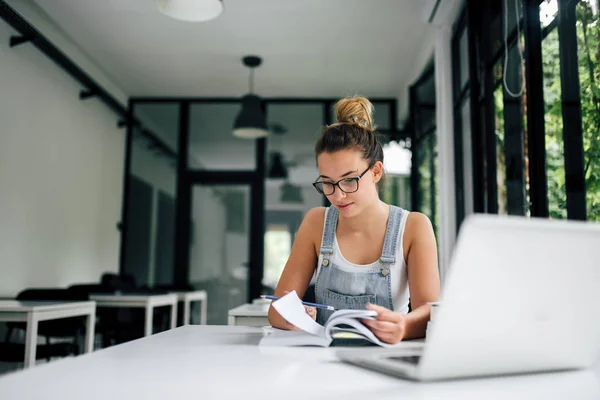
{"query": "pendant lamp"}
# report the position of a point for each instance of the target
(278, 169)
(250, 122)
(277, 166)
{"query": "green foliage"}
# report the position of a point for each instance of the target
(588, 37)
(555, 159)
(588, 50)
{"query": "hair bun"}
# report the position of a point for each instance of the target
(355, 110)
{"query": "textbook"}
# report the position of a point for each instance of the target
(342, 324)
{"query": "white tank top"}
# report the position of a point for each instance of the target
(398, 270)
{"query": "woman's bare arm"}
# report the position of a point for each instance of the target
(301, 264)
(423, 274)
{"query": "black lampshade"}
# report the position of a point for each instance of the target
(250, 122)
(278, 170)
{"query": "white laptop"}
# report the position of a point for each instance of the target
(522, 295)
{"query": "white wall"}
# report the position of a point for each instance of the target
(61, 166)
(43, 23)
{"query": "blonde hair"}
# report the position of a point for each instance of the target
(354, 129)
(355, 110)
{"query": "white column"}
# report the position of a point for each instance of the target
(445, 142)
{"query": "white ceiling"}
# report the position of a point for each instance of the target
(311, 48)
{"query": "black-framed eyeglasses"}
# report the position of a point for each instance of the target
(346, 185)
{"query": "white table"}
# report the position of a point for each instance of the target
(249, 315)
(187, 298)
(147, 302)
(33, 312)
(224, 362)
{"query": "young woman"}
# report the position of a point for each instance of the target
(366, 253)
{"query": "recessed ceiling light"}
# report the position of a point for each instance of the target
(191, 10)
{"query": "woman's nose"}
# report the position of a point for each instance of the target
(338, 194)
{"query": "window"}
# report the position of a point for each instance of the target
(278, 245)
(555, 153)
(588, 40)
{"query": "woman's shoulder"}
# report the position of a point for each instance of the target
(416, 221)
(313, 225)
(315, 217)
(418, 227)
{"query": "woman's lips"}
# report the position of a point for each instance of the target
(344, 206)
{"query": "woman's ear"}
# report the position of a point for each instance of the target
(377, 169)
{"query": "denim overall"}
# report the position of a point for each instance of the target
(353, 290)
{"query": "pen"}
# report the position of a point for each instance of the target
(306, 303)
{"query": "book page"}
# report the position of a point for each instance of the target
(357, 328)
(279, 338)
(359, 314)
(292, 310)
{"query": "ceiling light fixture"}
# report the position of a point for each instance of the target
(278, 169)
(250, 122)
(191, 10)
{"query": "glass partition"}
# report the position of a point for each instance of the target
(152, 182)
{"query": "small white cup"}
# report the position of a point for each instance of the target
(435, 307)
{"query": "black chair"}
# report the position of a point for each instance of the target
(118, 282)
(174, 287)
(15, 352)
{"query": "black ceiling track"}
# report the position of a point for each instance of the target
(90, 87)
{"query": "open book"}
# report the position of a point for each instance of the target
(342, 324)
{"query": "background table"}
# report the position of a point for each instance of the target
(249, 315)
(187, 298)
(33, 312)
(147, 302)
(224, 362)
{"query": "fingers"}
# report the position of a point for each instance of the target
(388, 332)
(389, 326)
(292, 327)
(381, 326)
(391, 338)
(384, 314)
(312, 312)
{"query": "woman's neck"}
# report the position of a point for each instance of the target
(370, 219)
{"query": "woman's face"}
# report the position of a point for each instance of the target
(345, 168)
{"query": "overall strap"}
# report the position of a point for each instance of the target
(388, 254)
(331, 218)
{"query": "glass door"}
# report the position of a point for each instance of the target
(219, 246)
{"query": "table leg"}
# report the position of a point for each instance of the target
(30, 340)
(174, 315)
(230, 320)
(203, 311)
(148, 320)
(90, 332)
(186, 312)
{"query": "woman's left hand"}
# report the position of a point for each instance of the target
(389, 327)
